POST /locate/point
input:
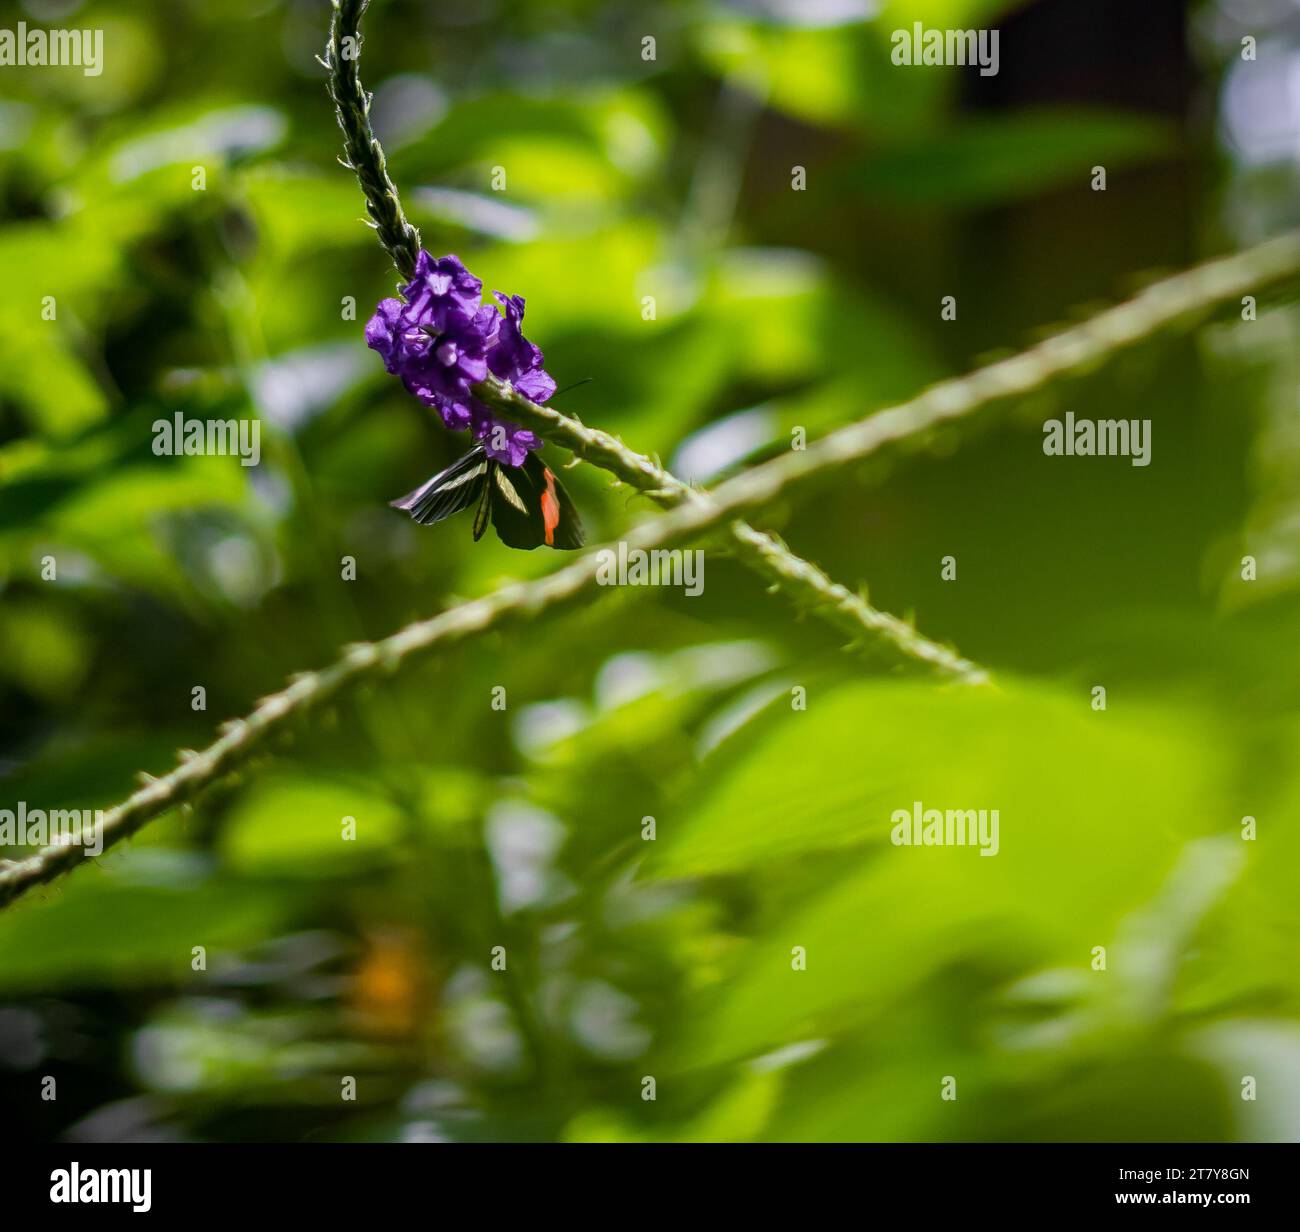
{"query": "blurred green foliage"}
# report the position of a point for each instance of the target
(522, 828)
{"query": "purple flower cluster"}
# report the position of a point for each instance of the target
(444, 338)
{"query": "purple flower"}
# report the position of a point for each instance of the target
(382, 332)
(502, 440)
(443, 365)
(443, 294)
(444, 339)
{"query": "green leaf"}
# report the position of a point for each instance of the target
(1111, 796)
(739, 1114)
(132, 921)
(834, 77)
(293, 825)
(831, 776)
(978, 161)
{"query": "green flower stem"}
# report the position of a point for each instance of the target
(799, 580)
(1164, 304)
(363, 154)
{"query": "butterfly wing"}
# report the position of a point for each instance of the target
(516, 507)
(562, 528)
(531, 509)
(449, 491)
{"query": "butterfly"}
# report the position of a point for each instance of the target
(527, 504)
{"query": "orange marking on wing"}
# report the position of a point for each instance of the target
(550, 508)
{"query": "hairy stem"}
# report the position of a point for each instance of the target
(363, 155)
(1163, 304)
(802, 582)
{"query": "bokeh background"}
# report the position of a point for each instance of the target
(522, 827)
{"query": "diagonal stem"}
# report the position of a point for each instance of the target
(1163, 304)
(807, 586)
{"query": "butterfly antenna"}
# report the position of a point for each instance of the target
(575, 385)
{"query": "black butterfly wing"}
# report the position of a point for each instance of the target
(531, 509)
(449, 491)
(516, 507)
